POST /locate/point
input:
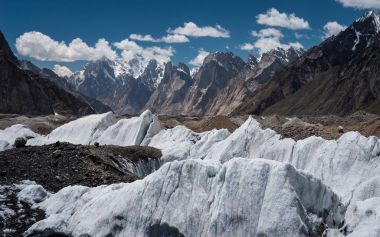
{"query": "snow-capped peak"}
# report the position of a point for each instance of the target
(284, 55)
(374, 18)
(153, 73)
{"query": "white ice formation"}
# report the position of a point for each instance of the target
(252, 182)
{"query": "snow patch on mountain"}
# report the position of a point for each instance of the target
(375, 18)
(357, 41)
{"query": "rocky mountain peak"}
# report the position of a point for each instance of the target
(29, 66)
(227, 60)
(152, 74)
(252, 61)
(5, 52)
(183, 67)
(369, 23)
(358, 36)
(284, 56)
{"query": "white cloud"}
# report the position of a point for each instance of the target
(268, 32)
(191, 29)
(39, 46)
(275, 18)
(62, 71)
(139, 37)
(333, 28)
(247, 47)
(166, 39)
(175, 39)
(268, 39)
(361, 4)
(131, 50)
(198, 60)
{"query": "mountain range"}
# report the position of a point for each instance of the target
(25, 92)
(339, 76)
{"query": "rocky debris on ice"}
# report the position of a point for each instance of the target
(58, 165)
(16, 207)
(199, 198)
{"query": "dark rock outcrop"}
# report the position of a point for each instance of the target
(22, 92)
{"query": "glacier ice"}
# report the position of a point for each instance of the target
(105, 129)
(198, 198)
(346, 171)
(9, 135)
(81, 131)
(181, 143)
(130, 131)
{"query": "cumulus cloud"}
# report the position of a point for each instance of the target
(166, 39)
(139, 37)
(268, 32)
(131, 50)
(247, 47)
(191, 29)
(62, 71)
(275, 18)
(361, 4)
(41, 47)
(268, 39)
(333, 28)
(198, 60)
(175, 39)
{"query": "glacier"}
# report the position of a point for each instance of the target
(239, 198)
(252, 182)
(104, 129)
(9, 135)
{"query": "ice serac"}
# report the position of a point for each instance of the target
(9, 135)
(342, 164)
(180, 143)
(361, 218)
(130, 131)
(81, 131)
(105, 129)
(198, 198)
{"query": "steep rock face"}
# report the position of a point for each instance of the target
(244, 86)
(152, 75)
(170, 93)
(65, 84)
(213, 76)
(339, 76)
(22, 92)
(130, 97)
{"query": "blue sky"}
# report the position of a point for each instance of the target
(116, 20)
